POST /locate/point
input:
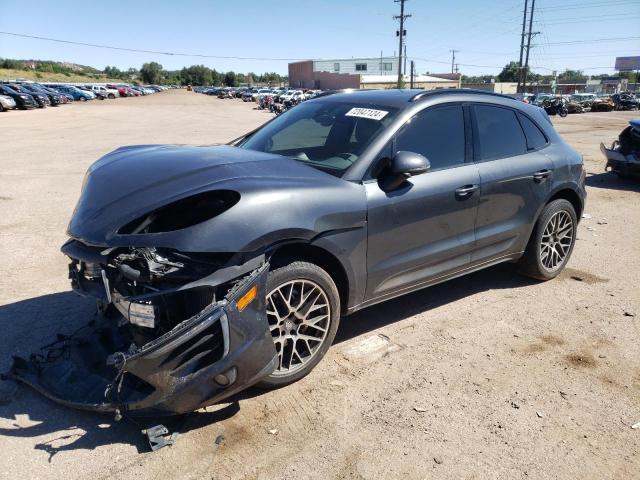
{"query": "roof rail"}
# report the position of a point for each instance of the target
(459, 91)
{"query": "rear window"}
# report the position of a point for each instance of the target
(499, 133)
(535, 138)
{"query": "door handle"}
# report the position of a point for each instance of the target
(541, 175)
(466, 191)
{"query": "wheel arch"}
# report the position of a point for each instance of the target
(568, 193)
(282, 254)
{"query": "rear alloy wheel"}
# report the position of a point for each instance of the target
(303, 311)
(551, 242)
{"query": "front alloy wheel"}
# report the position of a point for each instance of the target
(303, 311)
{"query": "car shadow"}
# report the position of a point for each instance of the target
(612, 181)
(30, 323)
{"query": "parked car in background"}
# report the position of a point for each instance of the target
(107, 92)
(55, 98)
(7, 103)
(247, 95)
(99, 94)
(625, 101)
(41, 99)
(23, 100)
(584, 99)
(602, 104)
(122, 90)
(75, 92)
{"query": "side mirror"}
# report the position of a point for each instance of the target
(402, 166)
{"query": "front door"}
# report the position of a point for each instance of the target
(425, 228)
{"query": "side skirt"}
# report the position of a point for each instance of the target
(435, 281)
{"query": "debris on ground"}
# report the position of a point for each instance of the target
(586, 215)
(636, 426)
(159, 437)
(602, 221)
(219, 439)
(515, 405)
(273, 431)
(629, 314)
(420, 409)
(438, 460)
(539, 414)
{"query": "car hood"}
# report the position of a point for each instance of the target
(279, 197)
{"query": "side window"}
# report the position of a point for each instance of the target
(535, 138)
(438, 134)
(499, 133)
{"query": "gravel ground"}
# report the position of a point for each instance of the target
(486, 376)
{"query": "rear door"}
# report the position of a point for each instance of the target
(515, 177)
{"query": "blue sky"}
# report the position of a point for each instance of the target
(486, 33)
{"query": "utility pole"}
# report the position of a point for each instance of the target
(526, 62)
(453, 59)
(412, 70)
(402, 17)
(404, 70)
(524, 25)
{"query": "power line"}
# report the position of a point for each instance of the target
(138, 50)
(595, 40)
(594, 19)
(574, 6)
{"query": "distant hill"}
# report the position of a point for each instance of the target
(50, 71)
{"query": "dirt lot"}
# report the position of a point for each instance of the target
(487, 376)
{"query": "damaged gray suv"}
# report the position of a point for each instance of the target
(219, 267)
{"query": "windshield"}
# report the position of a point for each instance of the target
(326, 135)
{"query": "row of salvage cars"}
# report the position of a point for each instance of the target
(585, 102)
(28, 95)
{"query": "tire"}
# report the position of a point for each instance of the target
(285, 285)
(82, 99)
(546, 261)
(112, 96)
(1, 108)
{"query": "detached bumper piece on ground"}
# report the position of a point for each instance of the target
(177, 333)
(623, 157)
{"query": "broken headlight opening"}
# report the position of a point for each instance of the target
(177, 331)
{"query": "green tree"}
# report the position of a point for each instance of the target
(151, 73)
(509, 73)
(572, 76)
(230, 79)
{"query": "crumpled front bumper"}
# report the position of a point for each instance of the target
(218, 352)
